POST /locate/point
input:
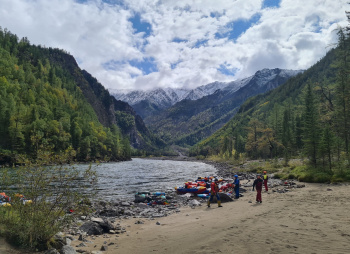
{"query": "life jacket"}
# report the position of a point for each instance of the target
(214, 187)
(265, 177)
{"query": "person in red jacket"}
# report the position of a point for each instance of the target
(214, 191)
(258, 183)
(266, 177)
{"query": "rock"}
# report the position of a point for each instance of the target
(51, 251)
(109, 213)
(58, 242)
(83, 217)
(225, 198)
(92, 228)
(104, 247)
(67, 240)
(106, 226)
(158, 223)
(68, 250)
(142, 205)
(194, 202)
(98, 220)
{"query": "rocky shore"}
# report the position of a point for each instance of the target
(108, 218)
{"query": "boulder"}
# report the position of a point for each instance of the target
(106, 226)
(68, 250)
(92, 228)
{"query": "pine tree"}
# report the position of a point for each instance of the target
(311, 127)
(326, 147)
(343, 90)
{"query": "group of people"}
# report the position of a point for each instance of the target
(258, 185)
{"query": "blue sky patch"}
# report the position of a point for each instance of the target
(200, 43)
(271, 4)
(179, 40)
(140, 26)
(227, 71)
(147, 66)
(238, 27)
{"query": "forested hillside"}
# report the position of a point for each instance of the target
(47, 102)
(308, 116)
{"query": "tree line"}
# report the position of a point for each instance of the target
(41, 107)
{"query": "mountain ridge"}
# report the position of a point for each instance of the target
(189, 121)
(151, 102)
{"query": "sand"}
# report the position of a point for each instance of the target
(307, 220)
(314, 219)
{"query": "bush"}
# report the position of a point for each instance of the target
(322, 178)
(54, 191)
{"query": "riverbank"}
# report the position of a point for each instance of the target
(284, 223)
(303, 220)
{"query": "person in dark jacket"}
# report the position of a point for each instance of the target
(258, 183)
(236, 188)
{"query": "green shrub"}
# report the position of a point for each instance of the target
(53, 189)
(322, 178)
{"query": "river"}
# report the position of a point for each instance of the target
(123, 179)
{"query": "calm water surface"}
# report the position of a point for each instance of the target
(124, 179)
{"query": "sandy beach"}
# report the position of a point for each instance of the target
(313, 219)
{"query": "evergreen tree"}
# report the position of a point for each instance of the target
(326, 147)
(311, 127)
(343, 90)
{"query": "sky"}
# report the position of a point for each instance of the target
(141, 45)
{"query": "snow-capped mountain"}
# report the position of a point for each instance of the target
(147, 103)
(166, 97)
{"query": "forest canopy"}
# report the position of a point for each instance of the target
(41, 107)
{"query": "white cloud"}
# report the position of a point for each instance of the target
(294, 36)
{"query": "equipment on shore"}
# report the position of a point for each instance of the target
(195, 190)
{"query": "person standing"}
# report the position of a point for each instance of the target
(236, 186)
(258, 183)
(214, 191)
(266, 178)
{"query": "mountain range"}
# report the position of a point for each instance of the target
(184, 117)
(151, 102)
